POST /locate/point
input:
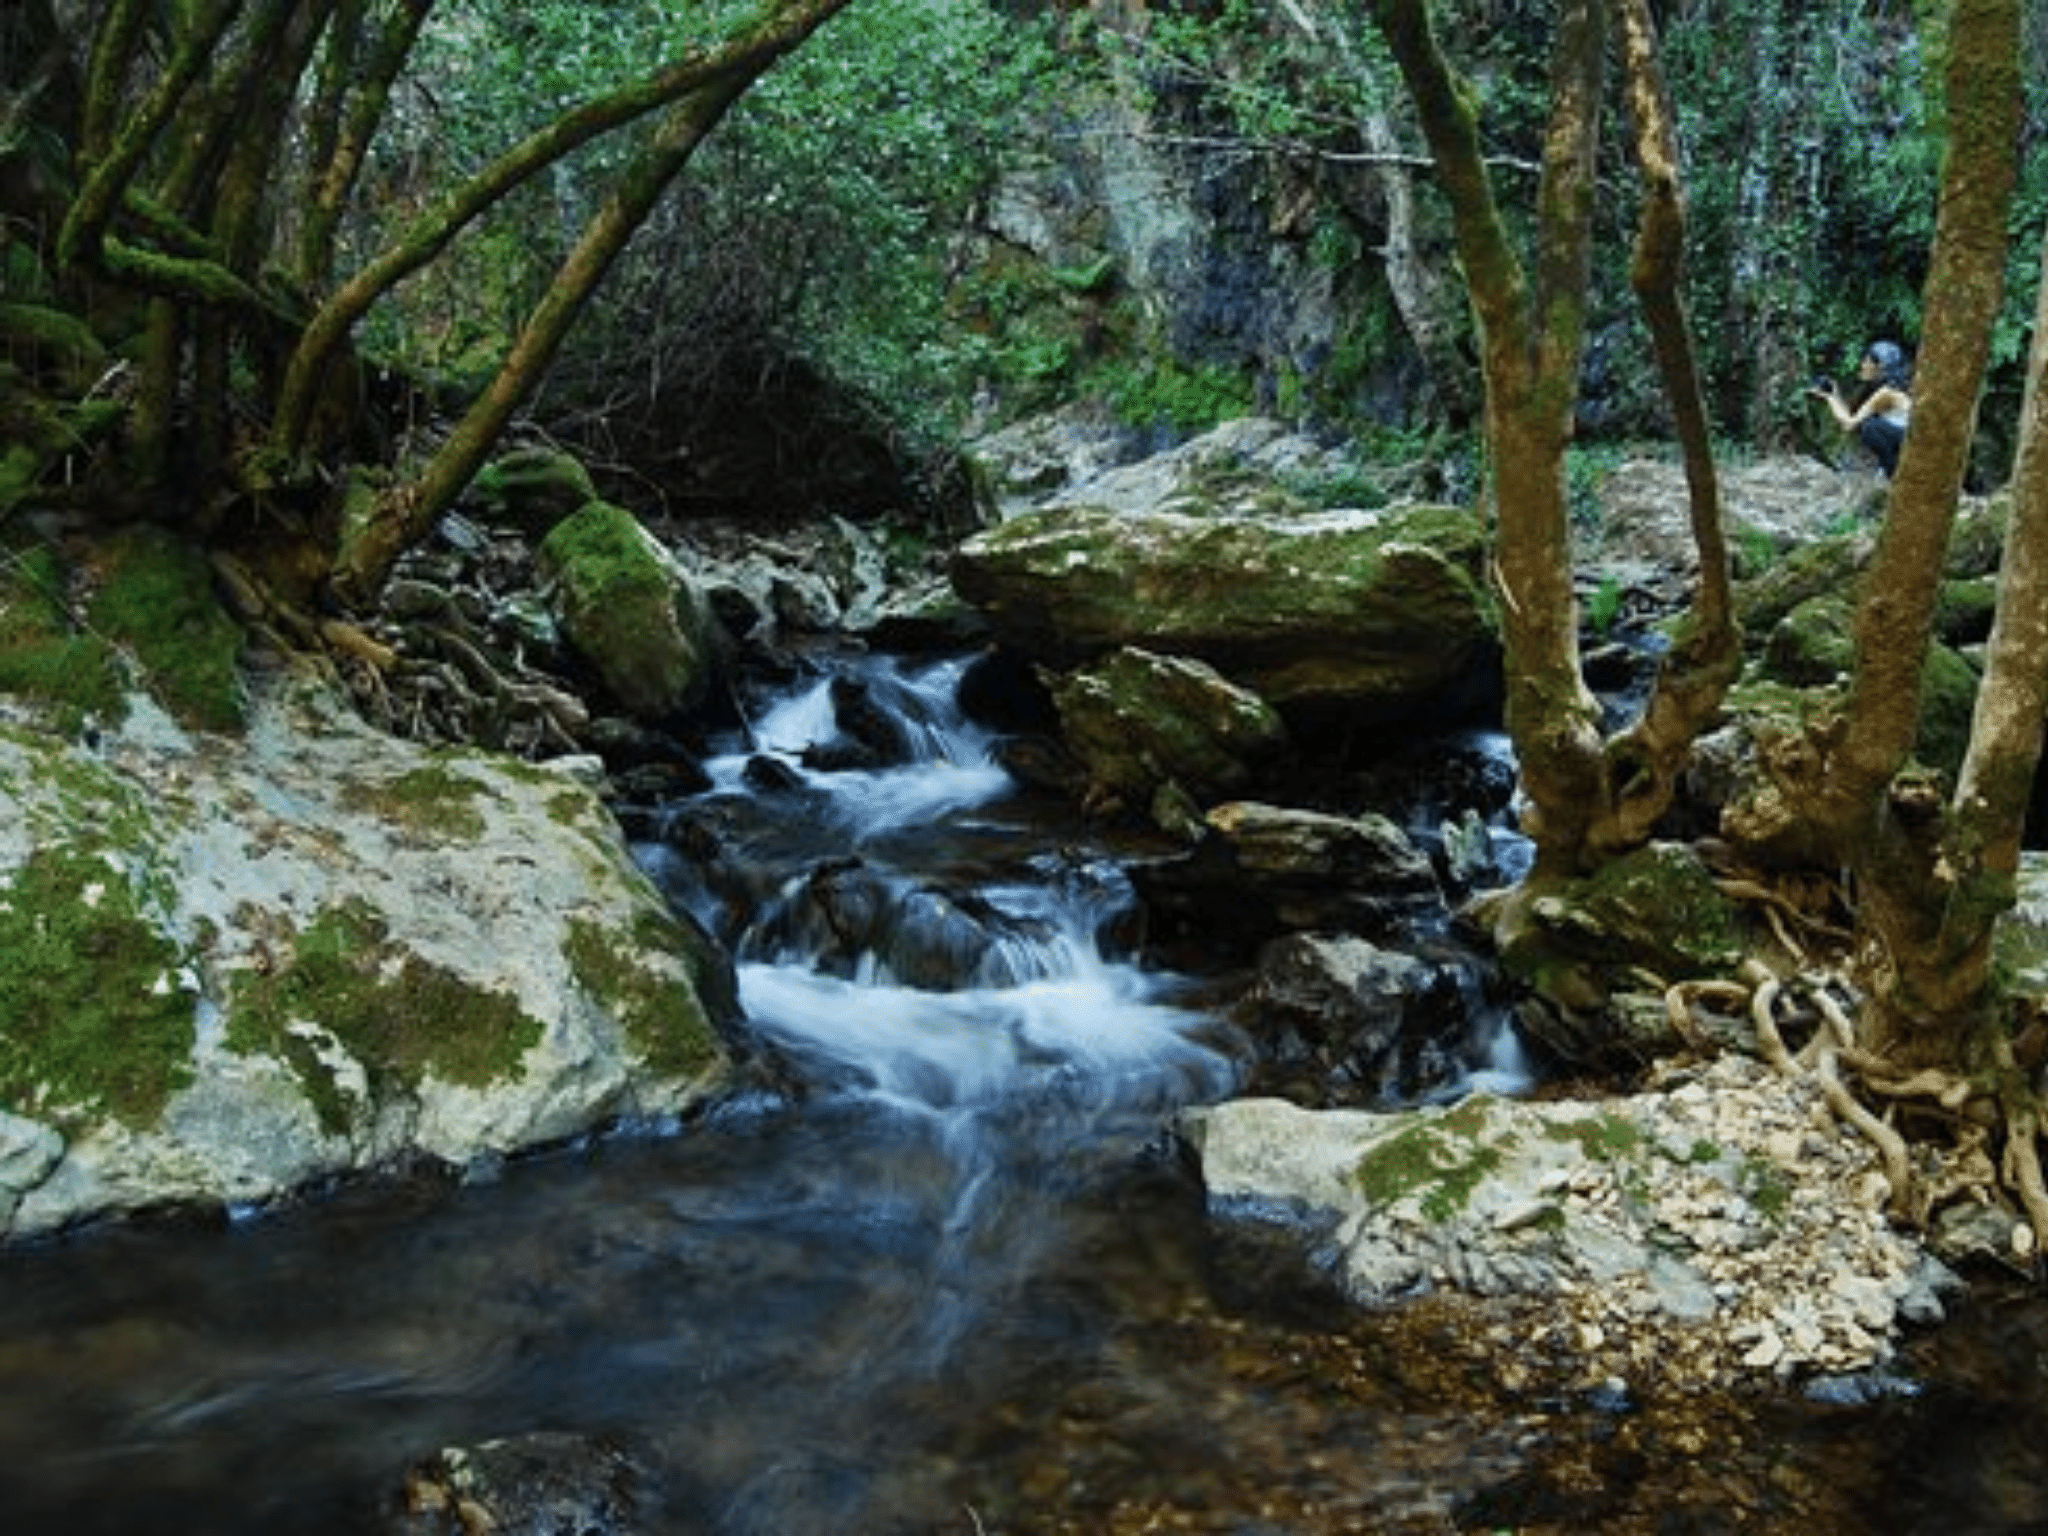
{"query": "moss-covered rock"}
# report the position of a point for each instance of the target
(1813, 644)
(669, 1015)
(1696, 1233)
(533, 489)
(350, 982)
(68, 673)
(1137, 721)
(155, 598)
(1657, 908)
(1596, 954)
(1367, 615)
(237, 964)
(630, 611)
(97, 1014)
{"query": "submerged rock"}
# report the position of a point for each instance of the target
(541, 1484)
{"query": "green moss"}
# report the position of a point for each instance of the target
(663, 1014)
(53, 334)
(1765, 1186)
(401, 1017)
(43, 656)
(155, 599)
(1604, 1138)
(432, 801)
(1659, 907)
(534, 488)
(1436, 1158)
(646, 633)
(601, 549)
(92, 1013)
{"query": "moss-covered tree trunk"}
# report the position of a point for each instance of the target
(1705, 658)
(1922, 915)
(394, 522)
(1531, 331)
(214, 149)
(1587, 799)
(696, 76)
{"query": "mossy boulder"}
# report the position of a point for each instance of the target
(1813, 644)
(1697, 1233)
(239, 964)
(1590, 951)
(533, 489)
(1364, 616)
(1137, 722)
(630, 611)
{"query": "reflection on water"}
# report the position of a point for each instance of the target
(964, 1284)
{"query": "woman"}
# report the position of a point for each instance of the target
(1879, 420)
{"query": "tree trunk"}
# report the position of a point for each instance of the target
(398, 520)
(1893, 829)
(1530, 347)
(1643, 763)
(1976, 866)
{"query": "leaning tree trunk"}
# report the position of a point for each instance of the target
(392, 523)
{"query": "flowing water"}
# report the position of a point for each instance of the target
(952, 1277)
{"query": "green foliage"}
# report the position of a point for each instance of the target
(1585, 474)
(1603, 606)
(1812, 195)
(819, 224)
(1163, 393)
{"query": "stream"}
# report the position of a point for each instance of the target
(950, 1275)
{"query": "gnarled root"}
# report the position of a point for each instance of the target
(1919, 1186)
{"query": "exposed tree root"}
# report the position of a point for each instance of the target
(427, 676)
(1844, 1074)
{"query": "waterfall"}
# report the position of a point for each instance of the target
(932, 991)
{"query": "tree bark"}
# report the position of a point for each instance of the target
(350, 100)
(1643, 762)
(1893, 829)
(1973, 881)
(107, 177)
(1530, 341)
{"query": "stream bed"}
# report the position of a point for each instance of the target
(952, 1275)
